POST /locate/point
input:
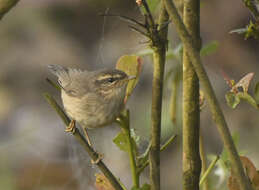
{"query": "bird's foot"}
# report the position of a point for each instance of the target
(99, 158)
(71, 127)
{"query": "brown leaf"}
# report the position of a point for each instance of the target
(251, 173)
(244, 82)
(102, 183)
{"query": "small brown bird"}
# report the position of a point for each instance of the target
(92, 98)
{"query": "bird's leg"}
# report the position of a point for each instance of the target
(87, 136)
(100, 156)
(71, 127)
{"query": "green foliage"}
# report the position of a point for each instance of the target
(132, 66)
(234, 96)
(252, 29)
(232, 99)
(249, 99)
(209, 48)
(144, 187)
(121, 141)
(152, 4)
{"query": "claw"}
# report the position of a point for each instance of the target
(71, 127)
(100, 157)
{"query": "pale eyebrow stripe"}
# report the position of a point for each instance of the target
(102, 77)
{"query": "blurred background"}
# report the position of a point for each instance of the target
(36, 153)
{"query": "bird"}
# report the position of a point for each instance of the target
(94, 99)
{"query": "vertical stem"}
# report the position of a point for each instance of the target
(173, 99)
(205, 185)
(191, 109)
(159, 47)
(134, 173)
(210, 96)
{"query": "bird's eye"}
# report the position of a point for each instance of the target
(111, 80)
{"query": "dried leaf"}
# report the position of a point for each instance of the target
(229, 81)
(238, 31)
(251, 173)
(244, 82)
(102, 183)
(132, 66)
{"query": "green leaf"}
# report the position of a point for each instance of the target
(132, 66)
(144, 187)
(121, 141)
(152, 4)
(209, 48)
(256, 92)
(232, 99)
(245, 96)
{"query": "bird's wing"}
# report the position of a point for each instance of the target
(65, 75)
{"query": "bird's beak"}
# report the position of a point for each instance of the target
(131, 77)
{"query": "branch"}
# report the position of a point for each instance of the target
(144, 157)
(203, 163)
(217, 114)
(126, 19)
(6, 5)
(207, 172)
(159, 46)
(124, 122)
(112, 179)
(191, 109)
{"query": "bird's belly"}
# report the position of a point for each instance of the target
(91, 115)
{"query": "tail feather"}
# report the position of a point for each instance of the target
(64, 74)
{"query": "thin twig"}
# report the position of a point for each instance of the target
(144, 157)
(95, 157)
(55, 85)
(211, 166)
(205, 185)
(148, 13)
(138, 31)
(126, 19)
